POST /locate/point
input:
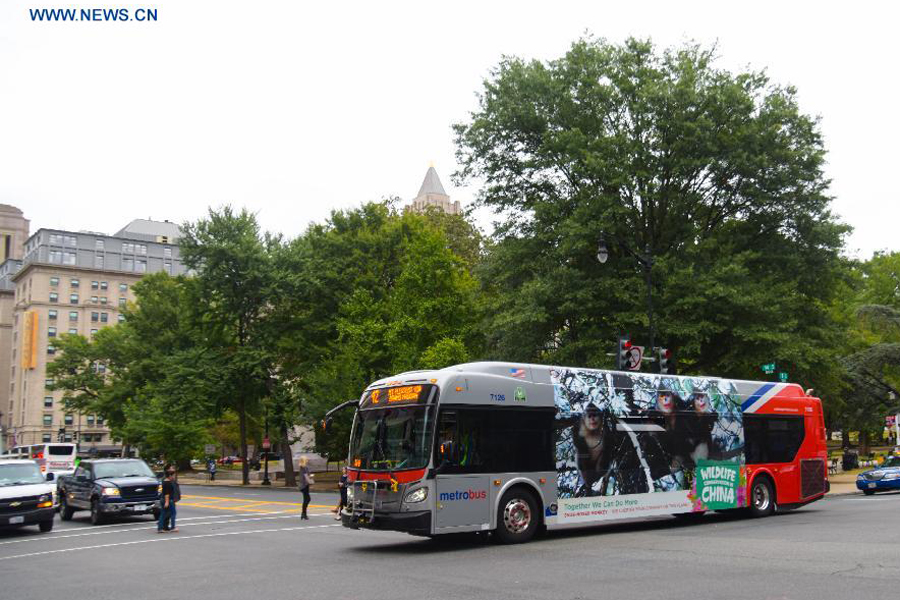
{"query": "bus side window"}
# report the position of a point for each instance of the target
(770, 439)
(446, 448)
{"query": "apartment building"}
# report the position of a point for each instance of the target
(70, 282)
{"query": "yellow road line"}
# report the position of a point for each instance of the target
(223, 499)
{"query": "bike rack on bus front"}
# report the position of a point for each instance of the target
(358, 506)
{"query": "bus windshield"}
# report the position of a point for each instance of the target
(392, 438)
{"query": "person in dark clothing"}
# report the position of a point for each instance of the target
(306, 479)
(171, 494)
(342, 487)
(592, 436)
(211, 467)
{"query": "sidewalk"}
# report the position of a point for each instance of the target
(845, 482)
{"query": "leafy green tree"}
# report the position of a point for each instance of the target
(234, 276)
(716, 176)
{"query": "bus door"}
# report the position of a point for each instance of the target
(462, 501)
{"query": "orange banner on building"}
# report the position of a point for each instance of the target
(29, 340)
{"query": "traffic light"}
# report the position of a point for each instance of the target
(61, 434)
(623, 352)
(666, 364)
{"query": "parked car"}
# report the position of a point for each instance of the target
(881, 479)
(26, 496)
(110, 487)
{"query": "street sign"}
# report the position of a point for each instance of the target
(782, 376)
(634, 357)
(768, 368)
(209, 448)
(265, 444)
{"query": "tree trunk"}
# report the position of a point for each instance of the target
(864, 442)
(290, 477)
(845, 438)
(245, 465)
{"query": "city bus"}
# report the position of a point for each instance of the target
(56, 458)
(513, 449)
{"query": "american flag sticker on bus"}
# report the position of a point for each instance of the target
(520, 373)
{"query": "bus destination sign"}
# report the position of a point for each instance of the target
(404, 394)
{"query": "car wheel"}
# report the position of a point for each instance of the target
(65, 511)
(517, 517)
(762, 498)
(868, 492)
(45, 526)
(96, 515)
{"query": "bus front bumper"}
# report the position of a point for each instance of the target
(415, 523)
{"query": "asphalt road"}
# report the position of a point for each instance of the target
(248, 544)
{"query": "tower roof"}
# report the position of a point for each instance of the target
(431, 184)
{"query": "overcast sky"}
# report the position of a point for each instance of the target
(293, 109)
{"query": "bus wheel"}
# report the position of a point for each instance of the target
(517, 517)
(762, 498)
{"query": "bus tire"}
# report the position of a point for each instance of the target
(762, 497)
(65, 511)
(517, 516)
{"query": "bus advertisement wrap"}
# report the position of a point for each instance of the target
(669, 444)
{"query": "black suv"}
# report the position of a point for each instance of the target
(110, 487)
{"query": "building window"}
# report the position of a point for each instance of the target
(54, 297)
(98, 261)
(69, 258)
(72, 331)
(73, 315)
(98, 244)
(104, 317)
(103, 299)
(168, 267)
(51, 314)
(94, 299)
(56, 257)
(128, 247)
(48, 401)
(123, 287)
(121, 318)
(90, 420)
(127, 263)
(99, 420)
(121, 302)
(48, 420)
(73, 298)
(45, 437)
(167, 252)
(51, 332)
(69, 420)
(54, 281)
(67, 437)
(51, 350)
(104, 285)
(95, 317)
(140, 266)
(93, 331)
(95, 285)
(74, 283)
(141, 249)
(48, 383)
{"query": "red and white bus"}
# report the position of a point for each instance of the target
(56, 458)
(512, 448)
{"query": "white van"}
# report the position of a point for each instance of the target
(27, 496)
(58, 459)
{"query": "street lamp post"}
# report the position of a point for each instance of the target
(646, 261)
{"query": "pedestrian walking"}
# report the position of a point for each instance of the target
(171, 494)
(306, 478)
(211, 467)
(342, 488)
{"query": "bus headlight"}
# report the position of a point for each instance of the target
(111, 491)
(416, 495)
(349, 493)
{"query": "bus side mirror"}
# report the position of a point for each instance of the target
(51, 476)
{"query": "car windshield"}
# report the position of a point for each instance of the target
(125, 468)
(25, 473)
(892, 461)
(392, 438)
